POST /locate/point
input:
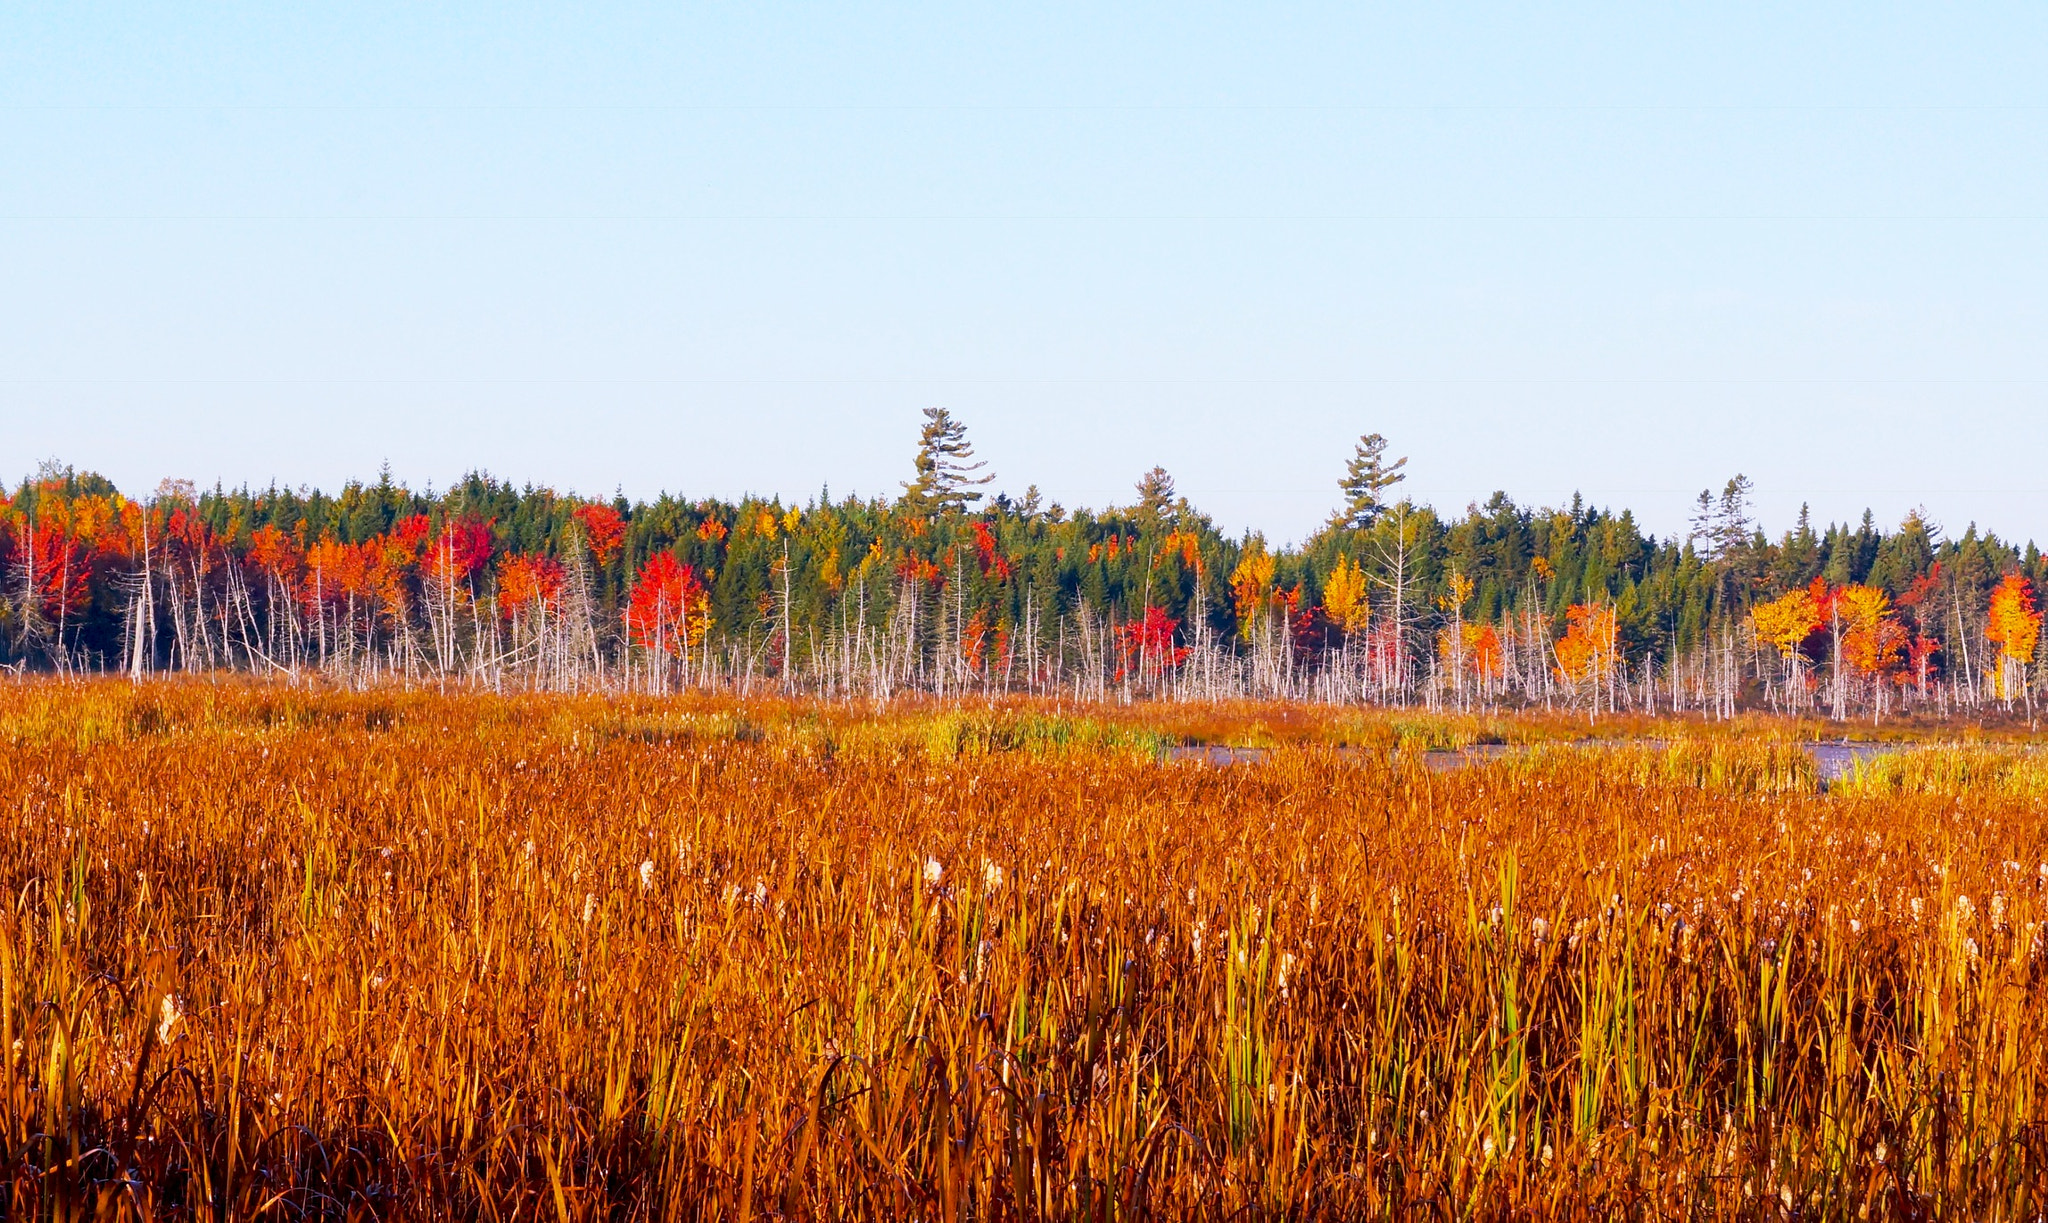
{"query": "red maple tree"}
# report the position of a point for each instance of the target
(669, 609)
(604, 528)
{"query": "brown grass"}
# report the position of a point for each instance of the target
(266, 953)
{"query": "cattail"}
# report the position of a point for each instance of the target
(170, 1015)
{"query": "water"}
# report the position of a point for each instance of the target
(1445, 760)
(1213, 753)
(1833, 759)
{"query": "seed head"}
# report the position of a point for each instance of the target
(169, 1016)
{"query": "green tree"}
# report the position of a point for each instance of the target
(945, 466)
(1157, 499)
(1366, 477)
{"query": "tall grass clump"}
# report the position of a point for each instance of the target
(1981, 769)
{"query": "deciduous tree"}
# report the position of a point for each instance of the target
(669, 610)
(1585, 655)
(2015, 628)
(1250, 583)
(1346, 599)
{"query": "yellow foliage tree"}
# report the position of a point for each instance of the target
(1458, 594)
(1249, 584)
(1872, 638)
(1786, 622)
(1345, 601)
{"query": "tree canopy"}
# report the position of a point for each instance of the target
(1391, 601)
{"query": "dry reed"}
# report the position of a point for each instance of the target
(269, 953)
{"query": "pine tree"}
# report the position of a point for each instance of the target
(1701, 532)
(1156, 496)
(946, 479)
(1366, 476)
(1732, 526)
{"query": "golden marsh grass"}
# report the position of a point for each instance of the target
(267, 953)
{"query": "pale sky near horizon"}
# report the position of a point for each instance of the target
(1627, 250)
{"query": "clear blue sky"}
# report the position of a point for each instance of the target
(1628, 250)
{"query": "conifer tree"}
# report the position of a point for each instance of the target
(946, 478)
(1157, 498)
(1366, 476)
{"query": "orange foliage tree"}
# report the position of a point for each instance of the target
(528, 584)
(1476, 649)
(993, 563)
(2015, 628)
(1586, 654)
(1482, 651)
(974, 637)
(394, 563)
(275, 553)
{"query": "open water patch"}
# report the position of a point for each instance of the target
(1216, 753)
(1833, 759)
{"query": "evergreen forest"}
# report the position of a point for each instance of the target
(949, 589)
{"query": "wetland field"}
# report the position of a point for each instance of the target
(274, 952)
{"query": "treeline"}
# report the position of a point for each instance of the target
(945, 591)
